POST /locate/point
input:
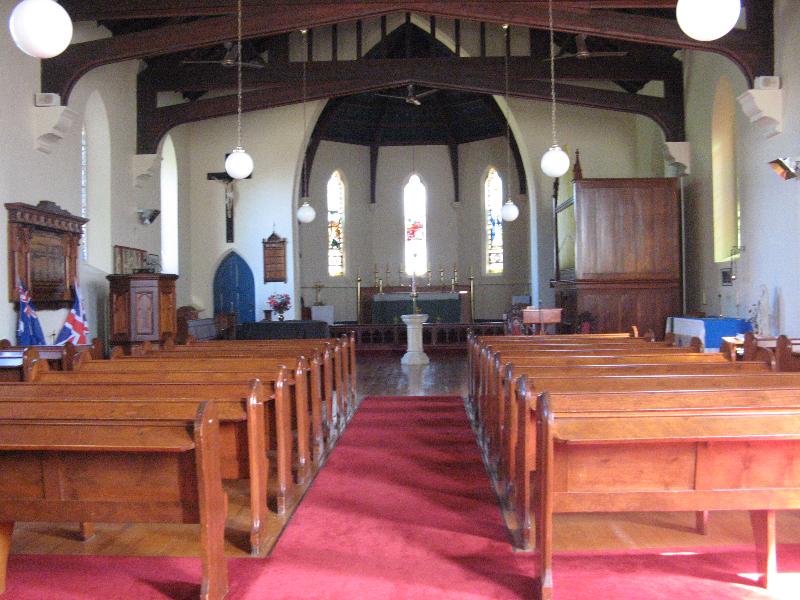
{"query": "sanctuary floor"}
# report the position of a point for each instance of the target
(382, 375)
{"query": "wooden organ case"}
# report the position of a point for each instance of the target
(618, 253)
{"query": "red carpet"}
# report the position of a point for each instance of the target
(402, 510)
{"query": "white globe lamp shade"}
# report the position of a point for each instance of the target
(40, 28)
(239, 165)
(555, 162)
(306, 212)
(707, 20)
(510, 211)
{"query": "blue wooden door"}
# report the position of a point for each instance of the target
(234, 289)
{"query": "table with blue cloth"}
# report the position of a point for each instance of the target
(710, 330)
(440, 307)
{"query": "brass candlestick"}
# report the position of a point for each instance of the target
(414, 302)
(441, 276)
(452, 285)
(471, 297)
(358, 299)
(380, 286)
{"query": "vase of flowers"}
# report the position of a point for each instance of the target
(280, 303)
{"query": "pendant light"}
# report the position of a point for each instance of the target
(239, 165)
(306, 212)
(555, 161)
(707, 20)
(40, 28)
(509, 210)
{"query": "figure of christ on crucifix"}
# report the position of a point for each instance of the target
(230, 194)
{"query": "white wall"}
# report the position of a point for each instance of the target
(769, 206)
(263, 204)
(374, 233)
(28, 175)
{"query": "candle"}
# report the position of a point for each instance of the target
(413, 282)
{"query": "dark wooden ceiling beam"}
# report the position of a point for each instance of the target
(751, 50)
(212, 77)
(667, 113)
(95, 10)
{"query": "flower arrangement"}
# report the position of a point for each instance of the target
(280, 303)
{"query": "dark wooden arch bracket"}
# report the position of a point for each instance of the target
(751, 49)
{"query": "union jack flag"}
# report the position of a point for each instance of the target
(29, 330)
(76, 327)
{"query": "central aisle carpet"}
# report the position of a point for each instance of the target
(402, 511)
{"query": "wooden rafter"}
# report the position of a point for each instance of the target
(751, 49)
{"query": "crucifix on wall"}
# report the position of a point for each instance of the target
(230, 194)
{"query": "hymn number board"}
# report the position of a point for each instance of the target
(43, 245)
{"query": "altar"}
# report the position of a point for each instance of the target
(442, 304)
(441, 307)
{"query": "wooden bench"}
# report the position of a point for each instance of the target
(657, 386)
(500, 429)
(342, 353)
(59, 357)
(678, 451)
(313, 388)
(156, 464)
(242, 412)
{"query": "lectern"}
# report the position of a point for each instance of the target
(142, 308)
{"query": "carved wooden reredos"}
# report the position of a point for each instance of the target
(43, 245)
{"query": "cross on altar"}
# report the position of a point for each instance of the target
(229, 183)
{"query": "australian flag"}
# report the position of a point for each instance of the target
(29, 330)
(76, 327)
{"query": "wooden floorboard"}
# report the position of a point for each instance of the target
(382, 374)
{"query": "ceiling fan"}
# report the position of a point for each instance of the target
(582, 51)
(229, 59)
(410, 97)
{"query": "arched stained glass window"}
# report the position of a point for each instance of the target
(415, 201)
(84, 192)
(493, 205)
(336, 225)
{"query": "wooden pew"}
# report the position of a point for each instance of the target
(241, 407)
(342, 356)
(319, 381)
(501, 429)
(157, 464)
(681, 451)
(14, 364)
(655, 387)
(60, 357)
(488, 362)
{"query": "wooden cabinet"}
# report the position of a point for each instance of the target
(142, 308)
(627, 254)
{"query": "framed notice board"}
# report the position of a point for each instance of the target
(274, 258)
(43, 252)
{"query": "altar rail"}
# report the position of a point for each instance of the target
(435, 336)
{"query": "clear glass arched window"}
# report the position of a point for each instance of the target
(415, 211)
(169, 207)
(84, 192)
(493, 220)
(336, 203)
